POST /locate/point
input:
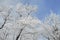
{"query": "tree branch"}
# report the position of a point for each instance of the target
(20, 33)
(5, 19)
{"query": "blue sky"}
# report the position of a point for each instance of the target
(44, 6)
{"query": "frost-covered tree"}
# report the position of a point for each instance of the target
(51, 27)
(17, 23)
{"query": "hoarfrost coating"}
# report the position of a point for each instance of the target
(17, 22)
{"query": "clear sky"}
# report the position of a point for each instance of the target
(44, 6)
